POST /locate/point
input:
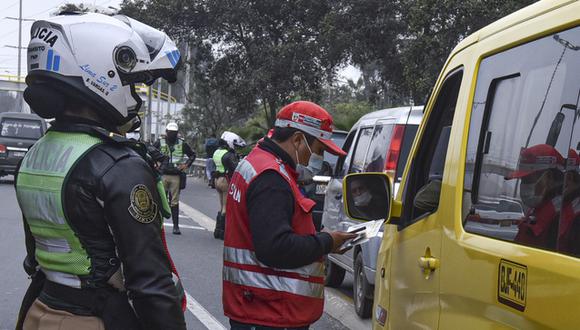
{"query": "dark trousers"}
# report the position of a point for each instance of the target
(234, 325)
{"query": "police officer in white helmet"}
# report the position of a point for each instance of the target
(92, 208)
(178, 158)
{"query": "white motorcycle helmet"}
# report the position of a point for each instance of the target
(233, 140)
(96, 60)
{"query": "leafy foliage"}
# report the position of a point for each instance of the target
(249, 58)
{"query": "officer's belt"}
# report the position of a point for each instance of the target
(88, 299)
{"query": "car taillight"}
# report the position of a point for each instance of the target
(394, 150)
(2, 149)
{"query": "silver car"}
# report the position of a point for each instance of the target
(379, 141)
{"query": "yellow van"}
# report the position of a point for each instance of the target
(484, 232)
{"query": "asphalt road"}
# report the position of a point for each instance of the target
(197, 255)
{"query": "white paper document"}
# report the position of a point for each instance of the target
(365, 231)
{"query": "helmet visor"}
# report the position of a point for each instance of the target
(153, 39)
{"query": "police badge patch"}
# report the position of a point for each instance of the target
(142, 207)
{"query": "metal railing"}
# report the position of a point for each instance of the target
(197, 169)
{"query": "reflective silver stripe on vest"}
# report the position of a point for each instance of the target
(41, 205)
(52, 244)
(246, 170)
(62, 278)
(248, 257)
(283, 170)
(273, 282)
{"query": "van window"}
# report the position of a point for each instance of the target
(407, 143)
(423, 188)
(21, 128)
(521, 179)
(360, 150)
(375, 159)
(340, 170)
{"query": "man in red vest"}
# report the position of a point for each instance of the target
(273, 273)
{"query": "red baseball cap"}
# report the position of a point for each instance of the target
(573, 161)
(312, 119)
(537, 158)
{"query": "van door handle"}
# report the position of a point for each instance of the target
(338, 197)
(428, 263)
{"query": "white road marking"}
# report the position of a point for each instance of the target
(202, 314)
(336, 304)
(183, 226)
(202, 219)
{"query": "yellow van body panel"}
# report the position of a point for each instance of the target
(464, 292)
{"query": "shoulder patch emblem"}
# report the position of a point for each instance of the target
(143, 208)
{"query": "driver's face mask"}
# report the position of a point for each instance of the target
(528, 192)
(306, 173)
(363, 199)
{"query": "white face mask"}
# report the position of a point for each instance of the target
(528, 195)
(306, 173)
(363, 199)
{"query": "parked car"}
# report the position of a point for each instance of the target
(379, 142)
(317, 190)
(500, 131)
(18, 132)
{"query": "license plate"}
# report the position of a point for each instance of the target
(18, 154)
(321, 189)
(512, 284)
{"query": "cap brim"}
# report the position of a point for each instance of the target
(332, 147)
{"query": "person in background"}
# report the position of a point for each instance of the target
(211, 145)
(226, 161)
(179, 157)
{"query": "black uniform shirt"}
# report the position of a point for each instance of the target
(270, 205)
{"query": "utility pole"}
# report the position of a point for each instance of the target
(147, 127)
(158, 116)
(169, 102)
(19, 38)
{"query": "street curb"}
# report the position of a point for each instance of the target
(337, 306)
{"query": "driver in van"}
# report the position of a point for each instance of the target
(540, 171)
(365, 202)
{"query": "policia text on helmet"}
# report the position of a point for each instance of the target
(92, 204)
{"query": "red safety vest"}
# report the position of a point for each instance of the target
(253, 292)
(536, 229)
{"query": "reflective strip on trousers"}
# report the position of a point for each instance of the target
(248, 257)
(273, 282)
(62, 278)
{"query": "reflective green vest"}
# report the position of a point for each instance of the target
(217, 159)
(39, 189)
(177, 157)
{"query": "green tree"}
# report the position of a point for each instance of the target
(433, 28)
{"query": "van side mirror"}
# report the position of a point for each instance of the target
(367, 196)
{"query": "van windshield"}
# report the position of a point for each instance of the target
(21, 128)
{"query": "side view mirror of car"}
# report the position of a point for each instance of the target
(367, 196)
